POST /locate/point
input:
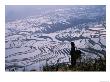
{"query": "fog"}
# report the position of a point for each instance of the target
(13, 12)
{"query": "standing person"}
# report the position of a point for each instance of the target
(75, 54)
(72, 53)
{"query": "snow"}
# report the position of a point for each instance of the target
(25, 40)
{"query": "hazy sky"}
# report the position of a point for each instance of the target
(17, 12)
(13, 12)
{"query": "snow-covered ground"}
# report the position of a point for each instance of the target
(33, 42)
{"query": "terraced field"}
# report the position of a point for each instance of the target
(32, 43)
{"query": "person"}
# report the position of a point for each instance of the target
(75, 54)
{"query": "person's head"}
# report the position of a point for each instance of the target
(72, 44)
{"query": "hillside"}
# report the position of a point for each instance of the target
(35, 41)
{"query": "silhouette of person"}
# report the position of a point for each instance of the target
(75, 54)
(72, 53)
